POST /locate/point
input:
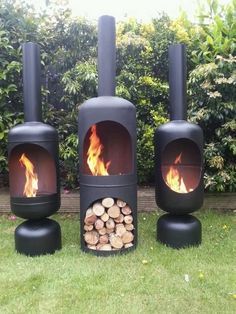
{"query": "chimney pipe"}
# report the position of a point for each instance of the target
(32, 82)
(106, 55)
(177, 82)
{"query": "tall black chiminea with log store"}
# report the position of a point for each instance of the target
(33, 168)
(179, 163)
(107, 149)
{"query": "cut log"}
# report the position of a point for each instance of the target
(127, 237)
(108, 202)
(99, 224)
(128, 219)
(112, 234)
(102, 231)
(98, 209)
(110, 224)
(91, 247)
(89, 211)
(90, 219)
(126, 210)
(104, 239)
(105, 247)
(91, 237)
(120, 203)
(129, 227)
(88, 227)
(119, 219)
(99, 245)
(120, 229)
(116, 241)
(127, 245)
(114, 211)
(105, 217)
(109, 231)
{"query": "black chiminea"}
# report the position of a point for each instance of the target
(34, 168)
(179, 163)
(107, 150)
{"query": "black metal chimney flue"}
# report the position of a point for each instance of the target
(106, 56)
(177, 82)
(32, 82)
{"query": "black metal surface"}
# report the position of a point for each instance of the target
(32, 82)
(38, 237)
(92, 187)
(106, 56)
(101, 109)
(35, 237)
(179, 231)
(46, 137)
(177, 82)
(32, 132)
(35, 207)
(168, 200)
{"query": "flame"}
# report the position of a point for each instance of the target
(31, 184)
(95, 162)
(174, 180)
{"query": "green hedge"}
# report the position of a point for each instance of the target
(69, 76)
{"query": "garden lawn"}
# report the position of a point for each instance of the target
(152, 279)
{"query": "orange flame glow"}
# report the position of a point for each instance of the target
(31, 184)
(95, 162)
(174, 180)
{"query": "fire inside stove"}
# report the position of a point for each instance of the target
(31, 183)
(181, 169)
(107, 150)
(174, 179)
(95, 160)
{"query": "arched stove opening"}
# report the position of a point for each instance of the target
(107, 150)
(181, 166)
(44, 170)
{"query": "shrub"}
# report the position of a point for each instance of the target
(213, 90)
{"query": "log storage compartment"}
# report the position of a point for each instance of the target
(178, 163)
(107, 150)
(108, 225)
(34, 168)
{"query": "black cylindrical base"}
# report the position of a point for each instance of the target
(179, 231)
(38, 237)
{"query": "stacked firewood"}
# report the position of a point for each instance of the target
(108, 225)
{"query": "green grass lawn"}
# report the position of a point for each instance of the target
(148, 280)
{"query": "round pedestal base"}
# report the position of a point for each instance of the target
(38, 237)
(179, 231)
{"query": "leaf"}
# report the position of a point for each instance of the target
(214, 6)
(210, 40)
(219, 22)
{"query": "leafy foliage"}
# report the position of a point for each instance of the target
(217, 34)
(213, 90)
(10, 90)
